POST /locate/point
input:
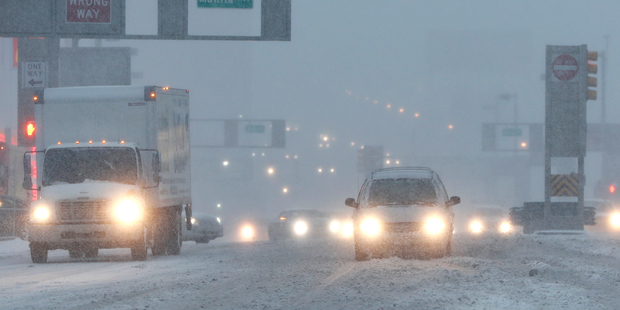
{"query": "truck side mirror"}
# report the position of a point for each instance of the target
(351, 203)
(27, 183)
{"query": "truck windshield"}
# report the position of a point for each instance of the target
(79, 165)
(402, 192)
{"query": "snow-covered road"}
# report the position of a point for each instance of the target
(520, 272)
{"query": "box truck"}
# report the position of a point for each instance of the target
(111, 169)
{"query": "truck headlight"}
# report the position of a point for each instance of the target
(41, 213)
(615, 219)
(300, 228)
(434, 225)
(370, 226)
(128, 211)
(505, 227)
(475, 227)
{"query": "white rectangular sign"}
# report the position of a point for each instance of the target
(34, 74)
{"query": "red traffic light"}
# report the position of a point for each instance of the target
(30, 128)
(612, 189)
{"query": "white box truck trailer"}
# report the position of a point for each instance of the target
(111, 170)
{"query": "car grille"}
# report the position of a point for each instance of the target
(402, 227)
(83, 210)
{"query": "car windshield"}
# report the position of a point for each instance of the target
(402, 192)
(79, 165)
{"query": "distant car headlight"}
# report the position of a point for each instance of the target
(41, 213)
(300, 228)
(615, 219)
(370, 226)
(505, 227)
(128, 210)
(347, 229)
(218, 220)
(247, 232)
(194, 221)
(434, 225)
(334, 226)
(475, 227)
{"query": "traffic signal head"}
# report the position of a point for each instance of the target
(30, 128)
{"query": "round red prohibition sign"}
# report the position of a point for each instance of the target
(565, 67)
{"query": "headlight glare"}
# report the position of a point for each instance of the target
(615, 220)
(127, 211)
(434, 225)
(475, 227)
(370, 226)
(505, 227)
(300, 228)
(334, 226)
(41, 213)
(347, 229)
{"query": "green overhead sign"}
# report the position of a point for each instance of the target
(255, 128)
(512, 132)
(226, 4)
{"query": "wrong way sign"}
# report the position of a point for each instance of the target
(564, 67)
(34, 74)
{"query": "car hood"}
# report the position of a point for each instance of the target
(404, 213)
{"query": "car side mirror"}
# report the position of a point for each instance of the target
(454, 200)
(351, 203)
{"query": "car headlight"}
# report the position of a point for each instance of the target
(475, 227)
(247, 232)
(128, 210)
(41, 213)
(218, 220)
(505, 227)
(615, 219)
(194, 221)
(334, 226)
(434, 225)
(370, 227)
(300, 228)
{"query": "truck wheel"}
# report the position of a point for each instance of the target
(158, 233)
(174, 237)
(91, 252)
(38, 253)
(139, 250)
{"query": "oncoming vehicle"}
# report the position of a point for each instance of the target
(204, 228)
(298, 223)
(489, 220)
(403, 210)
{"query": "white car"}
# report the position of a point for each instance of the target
(204, 228)
(403, 210)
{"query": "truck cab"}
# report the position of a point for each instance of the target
(110, 170)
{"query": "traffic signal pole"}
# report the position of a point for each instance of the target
(38, 68)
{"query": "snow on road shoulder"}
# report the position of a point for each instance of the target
(13, 247)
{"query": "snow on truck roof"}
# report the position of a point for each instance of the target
(96, 93)
(404, 172)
